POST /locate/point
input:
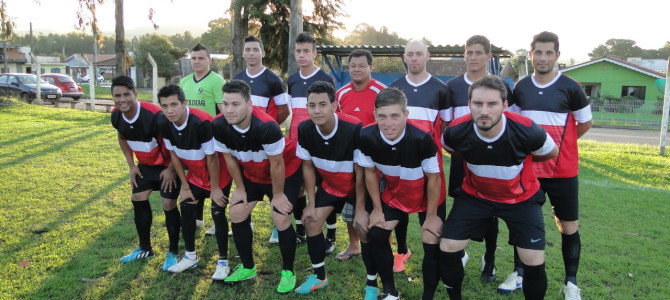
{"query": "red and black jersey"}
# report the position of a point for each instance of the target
(297, 93)
(402, 163)
(499, 169)
(142, 134)
(192, 142)
(251, 146)
(457, 97)
(360, 104)
(557, 106)
(267, 90)
(333, 155)
(426, 102)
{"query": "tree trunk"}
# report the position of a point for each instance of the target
(240, 31)
(294, 29)
(121, 61)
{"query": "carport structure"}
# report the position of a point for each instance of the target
(332, 56)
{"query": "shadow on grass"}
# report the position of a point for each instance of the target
(54, 147)
(28, 137)
(605, 171)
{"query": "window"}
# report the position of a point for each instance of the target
(3, 79)
(55, 70)
(633, 91)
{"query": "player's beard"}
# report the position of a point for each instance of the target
(494, 122)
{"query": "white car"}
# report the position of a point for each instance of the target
(98, 79)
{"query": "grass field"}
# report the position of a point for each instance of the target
(66, 219)
(106, 93)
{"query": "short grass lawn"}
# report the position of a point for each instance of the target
(66, 220)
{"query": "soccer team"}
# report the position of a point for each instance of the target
(371, 153)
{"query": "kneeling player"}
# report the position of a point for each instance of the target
(135, 122)
(406, 157)
(328, 144)
(498, 149)
(252, 145)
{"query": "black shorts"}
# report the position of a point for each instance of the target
(256, 191)
(470, 216)
(201, 194)
(456, 174)
(563, 195)
(324, 199)
(151, 180)
(394, 214)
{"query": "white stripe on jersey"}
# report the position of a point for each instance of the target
(143, 146)
(430, 165)
(401, 172)
(302, 153)
(168, 145)
(548, 145)
(281, 99)
(247, 156)
(259, 101)
(375, 89)
(208, 147)
(275, 148)
(365, 161)
(583, 115)
(422, 113)
(342, 92)
(460, 111)
(546, 117)
(190, 154)
(497, 172)
(299, 102)
(334, 166)
(447, 114)
(221, 147)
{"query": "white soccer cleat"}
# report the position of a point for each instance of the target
(211, 231)
(200, 224)
(222, 270)
(512, 283)
(183, 265)
(571, 292)
(465, 259)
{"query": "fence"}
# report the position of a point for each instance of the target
(628, 112)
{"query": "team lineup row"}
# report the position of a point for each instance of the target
(366, 149)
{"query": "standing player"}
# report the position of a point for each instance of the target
(558, 104)
(477, 55)
(138, 136)
(188, 136)
(427, 105)
(498, 149)
(298, 83)
(328, 145)
(202, 89)
(357, 98)
(252, 145)
(406, 157)
(267, 89)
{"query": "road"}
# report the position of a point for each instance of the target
(628, 136)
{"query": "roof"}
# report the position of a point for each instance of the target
(398, 50)
(449, 67)
(618, 62)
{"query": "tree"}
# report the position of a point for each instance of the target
(163, 52)
(186, 40)
(219, 34)
(271, 17)
(617, 48)
(365, 34)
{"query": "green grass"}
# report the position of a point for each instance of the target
(66, 212)
(106, 93)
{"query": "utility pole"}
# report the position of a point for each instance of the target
(666, 110)
(295, 27)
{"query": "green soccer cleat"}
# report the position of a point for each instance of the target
(287, 282)
(240, 274)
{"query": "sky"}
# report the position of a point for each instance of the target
(581, 25)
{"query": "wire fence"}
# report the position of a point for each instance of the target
(627, 113)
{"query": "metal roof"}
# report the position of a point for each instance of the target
(398, 50)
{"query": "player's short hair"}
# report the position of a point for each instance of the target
(252, 38)
(170, 90)
(305, 37)
(200, 47)
(124, 81)
(322, 87)
(545, 37)
(491, 82)
(237, 86)
(361, 52)
(481, 40)
(391, 96)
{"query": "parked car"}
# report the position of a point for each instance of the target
(24, 86)
(65, 83)
(98, 79)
